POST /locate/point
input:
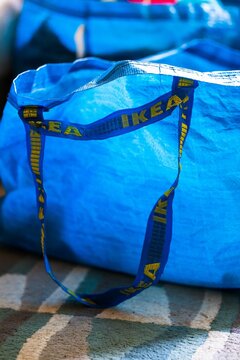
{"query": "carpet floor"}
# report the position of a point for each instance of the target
(39, 322)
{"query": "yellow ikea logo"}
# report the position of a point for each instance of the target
(147, 114)
(57, 127)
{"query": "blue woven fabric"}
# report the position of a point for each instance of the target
(100, 193)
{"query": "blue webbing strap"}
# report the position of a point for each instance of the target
(159, 227)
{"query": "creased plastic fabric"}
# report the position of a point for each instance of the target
(101, 192)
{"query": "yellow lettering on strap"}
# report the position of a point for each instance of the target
(30, 112)
(41, 198)
(72, 130)
(162, 220)
(41, 214)
(137, 118)
(168, 192)
(54, 126)
(125, 122)
(161, 205)
(185, 100)
(42, 237)
(173, 101)
(131, 290)
(151, 269)
(156, 109)
(185, 82)
(89, 301)
(34, 134)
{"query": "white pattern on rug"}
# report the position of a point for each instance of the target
(152, 306)
(12, 288)
(58, 297)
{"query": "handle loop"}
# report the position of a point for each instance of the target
(159, 226)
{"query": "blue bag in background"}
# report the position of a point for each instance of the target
(114, 30)
(233, 7)
(200, 55)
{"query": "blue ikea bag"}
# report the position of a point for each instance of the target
(200, 55)
(113, 30)
(110, 194)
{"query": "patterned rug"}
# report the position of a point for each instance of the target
(38, 321)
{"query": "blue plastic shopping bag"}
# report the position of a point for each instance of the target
(113, 30)
(110, 194)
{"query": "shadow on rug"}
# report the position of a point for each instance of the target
(39, 321)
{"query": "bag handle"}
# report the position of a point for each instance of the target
(159, 226)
